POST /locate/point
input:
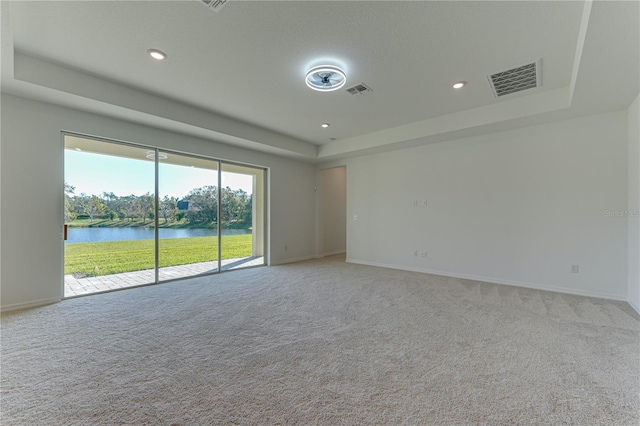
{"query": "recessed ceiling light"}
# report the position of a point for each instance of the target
(459, 85)
(157, 54)
(325, 78)
(325, 125)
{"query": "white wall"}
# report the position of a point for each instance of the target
(517, 207)
(633, 218)
(333, 210)
(32, 187)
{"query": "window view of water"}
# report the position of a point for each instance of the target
(89, 235)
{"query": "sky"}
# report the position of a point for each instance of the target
(94, 174)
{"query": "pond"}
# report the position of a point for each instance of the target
(91, 235)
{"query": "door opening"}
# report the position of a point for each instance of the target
(140, 215)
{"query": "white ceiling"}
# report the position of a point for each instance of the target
(237, 76)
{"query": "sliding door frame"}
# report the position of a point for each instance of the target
(220, 162)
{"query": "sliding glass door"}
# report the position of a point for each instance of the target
(188, 216)
(109, 205)
(136, 215)
(242, 216)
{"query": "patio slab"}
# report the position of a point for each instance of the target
(82, 286)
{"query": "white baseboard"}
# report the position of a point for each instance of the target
(333, 253)
(292, 260)
(27, 305)
(634, 306)
(496, 281)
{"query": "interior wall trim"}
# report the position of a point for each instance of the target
(333, 253)
(292, 260)
(31, 304)
(491, 280)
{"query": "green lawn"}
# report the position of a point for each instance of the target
(113, 257)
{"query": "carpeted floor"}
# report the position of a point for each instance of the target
(322, 342)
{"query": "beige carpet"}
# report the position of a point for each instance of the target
(322, 342)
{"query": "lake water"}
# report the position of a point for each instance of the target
(88, 235)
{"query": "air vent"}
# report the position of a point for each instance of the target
(359, 89)
(516, 80)
(216, 5)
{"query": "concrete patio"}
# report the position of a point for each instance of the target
(82, 286)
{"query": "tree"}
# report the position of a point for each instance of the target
(129, 207)
(203, 205)
(94, 207)
(234, 206)
(112, 203)
(168, 208)
(243, 206)
(144, 206)
(69, 210)
(247, 215)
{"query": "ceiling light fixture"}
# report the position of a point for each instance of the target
(459, 85)
(151, 155)
(78, 149)
(325, 78)
(157, 54)
(325, 125)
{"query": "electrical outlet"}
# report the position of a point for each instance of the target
(415, 203)
(424, 203)
(286, 248)
(415, 253)
(423, 254)
(575, 269)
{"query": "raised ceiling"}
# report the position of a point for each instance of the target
(237, 76)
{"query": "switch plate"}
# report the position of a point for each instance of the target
(575, 269)
(355, 217)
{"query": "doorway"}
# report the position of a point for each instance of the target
(333, 210)
(138, 215)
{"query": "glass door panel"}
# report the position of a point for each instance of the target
(134, 219)
(109, 216)
(241, 216)
(187, 216)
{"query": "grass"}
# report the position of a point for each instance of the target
(113, 257)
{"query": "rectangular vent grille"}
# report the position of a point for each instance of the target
(216, 5)
(359, 89)
(515, 80)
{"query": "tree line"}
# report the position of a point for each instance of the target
(199, 206)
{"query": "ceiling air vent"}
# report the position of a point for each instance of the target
(516, 79)
(216, 5)
(359, 89)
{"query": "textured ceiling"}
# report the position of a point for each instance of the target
(247, 62)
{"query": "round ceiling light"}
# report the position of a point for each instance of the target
(325, 125)
(157, 54)
(151, 155)
(459, 85)
(325, 78)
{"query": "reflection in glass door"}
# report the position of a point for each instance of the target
(187, 216)
(241, 216)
